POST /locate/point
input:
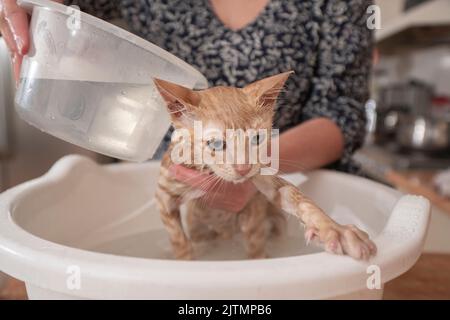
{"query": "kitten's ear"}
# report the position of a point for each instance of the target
(179, 99)
(266, 91)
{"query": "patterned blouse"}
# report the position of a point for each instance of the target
(326, 42)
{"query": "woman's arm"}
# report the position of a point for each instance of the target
(310, 145)
(340, 88)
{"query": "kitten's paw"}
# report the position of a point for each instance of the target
(346, 239)
(183, 252)
(257, 255)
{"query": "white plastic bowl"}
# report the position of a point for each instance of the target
(95, 222)
(92, 83)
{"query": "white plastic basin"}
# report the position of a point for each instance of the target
(89, 231)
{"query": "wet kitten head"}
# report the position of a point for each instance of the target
(216, 116)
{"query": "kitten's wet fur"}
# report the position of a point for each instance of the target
(251, 107)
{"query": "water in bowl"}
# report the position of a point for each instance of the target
(116, 119)
(154, 244)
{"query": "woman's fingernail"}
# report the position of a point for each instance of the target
(20, 46)
(15, 68)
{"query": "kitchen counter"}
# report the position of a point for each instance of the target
(410, 173)
(418, 182)
(428, 279)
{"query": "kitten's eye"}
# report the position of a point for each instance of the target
(258, 139)
(216, 144)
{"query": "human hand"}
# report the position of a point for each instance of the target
(14, 29)
(220, 194)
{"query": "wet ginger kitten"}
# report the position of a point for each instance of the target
(251, 107)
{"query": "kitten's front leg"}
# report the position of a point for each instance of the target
(336, 238)
(169, 209)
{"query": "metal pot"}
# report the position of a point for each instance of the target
(397, 102)
(423, 133)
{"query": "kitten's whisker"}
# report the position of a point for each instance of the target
(213, 180)
(203, 199)
(217, 182)
(199, 185)
(193, 177)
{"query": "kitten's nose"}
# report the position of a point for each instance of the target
(242, 169)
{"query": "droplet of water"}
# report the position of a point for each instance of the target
(123, 92)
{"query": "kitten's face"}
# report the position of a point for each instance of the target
(235, 130)
(235, 124)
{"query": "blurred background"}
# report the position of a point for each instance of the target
(408, 130)
(407, 144)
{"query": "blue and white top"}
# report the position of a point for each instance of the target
(326, 42)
